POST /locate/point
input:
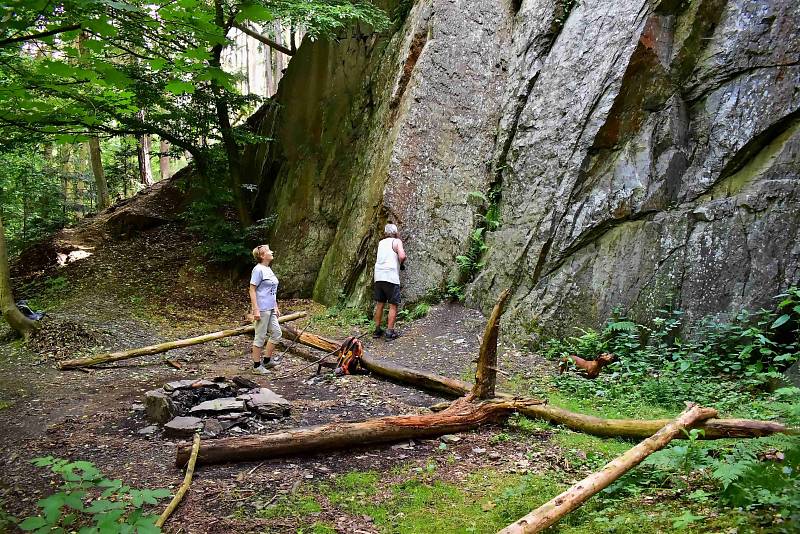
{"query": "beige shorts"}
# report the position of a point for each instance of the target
(267, 325)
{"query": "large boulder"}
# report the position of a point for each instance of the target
(644, 155)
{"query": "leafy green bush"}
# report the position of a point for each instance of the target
(751, 349)
(90, 503)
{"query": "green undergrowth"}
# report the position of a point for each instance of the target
(486, 501)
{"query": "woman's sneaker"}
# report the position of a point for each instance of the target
(264, 367)
(391, 334)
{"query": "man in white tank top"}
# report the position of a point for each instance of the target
(388, 265)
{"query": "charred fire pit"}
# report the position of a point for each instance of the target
(214, 406)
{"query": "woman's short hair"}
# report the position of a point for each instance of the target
(257, 252)
(390, 229)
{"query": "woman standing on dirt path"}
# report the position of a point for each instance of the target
(263, 302)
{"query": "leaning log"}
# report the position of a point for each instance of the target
(589, 424)
(486, 373)
(459, 417)
(163, 347)
(551, 512)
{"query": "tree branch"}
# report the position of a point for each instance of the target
(34, 36)
(265, 40)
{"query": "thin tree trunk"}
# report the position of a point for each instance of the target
(143, 154)
(18, 322)
(163, 160)
(164, 347)
(103, 200)
(461, 416)
(229, 142)
(551, 512)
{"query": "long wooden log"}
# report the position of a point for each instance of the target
(163, 347)
(589, 424)
(459, 417)
(552, 511)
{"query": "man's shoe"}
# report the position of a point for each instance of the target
(269, 364)
(260, 370)
(391, 334)
(377, 333)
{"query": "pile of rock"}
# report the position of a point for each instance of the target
(212, 406)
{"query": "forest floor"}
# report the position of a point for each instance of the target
(134, 292)
(138, 292)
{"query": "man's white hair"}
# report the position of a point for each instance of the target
(390, 229)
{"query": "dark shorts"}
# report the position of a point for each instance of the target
(386, 292)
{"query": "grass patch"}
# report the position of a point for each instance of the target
(487, 501)
(4, 405)
(291, 506)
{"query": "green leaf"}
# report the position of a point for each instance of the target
(33, 523)
(178, 87)
(157, 63)
(780, 320)
(101, 26)
(104, 506)
(254, 12)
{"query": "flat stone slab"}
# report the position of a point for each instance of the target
(182, 427)
(188, 384)
(266, 403)
(225, 404)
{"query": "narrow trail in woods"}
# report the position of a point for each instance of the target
(138, 291)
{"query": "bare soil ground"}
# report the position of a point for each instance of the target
(138, 291)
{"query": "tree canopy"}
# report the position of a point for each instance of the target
(74, 69)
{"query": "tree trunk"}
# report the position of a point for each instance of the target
(461, 416)
(18, 322)
(589, 424)
(164, 347)
(163, 160)
(551, 512)
(103, 200)
(143, 155)
(229, 142)
(486, 373)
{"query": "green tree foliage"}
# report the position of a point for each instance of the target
(77, 68)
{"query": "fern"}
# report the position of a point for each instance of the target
(622, 326)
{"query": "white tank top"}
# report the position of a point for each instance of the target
(387, 265)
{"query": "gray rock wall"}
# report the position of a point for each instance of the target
(646, 153)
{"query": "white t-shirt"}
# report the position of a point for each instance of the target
(266, 287)
(387, 264)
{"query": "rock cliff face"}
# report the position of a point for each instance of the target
(646, 154)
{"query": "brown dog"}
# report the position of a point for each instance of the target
(591, 367)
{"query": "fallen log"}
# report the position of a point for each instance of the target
(461, 416)
(310, 340)
(187, 480)
(163, 347)
(305, 354)
(597, 426)
(552, 511)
